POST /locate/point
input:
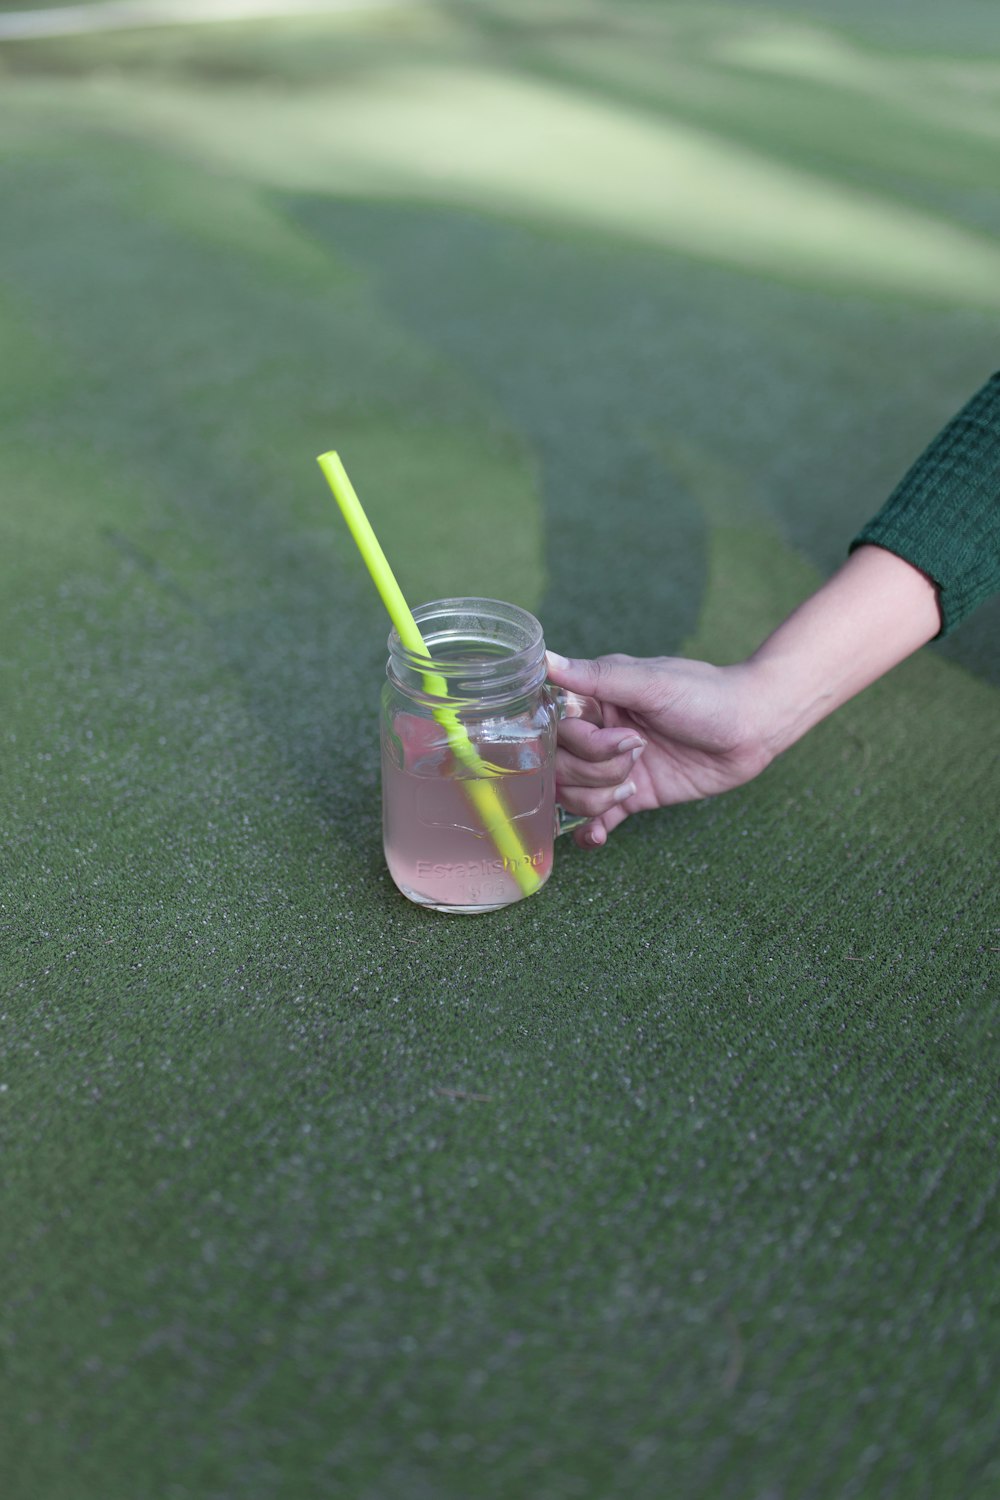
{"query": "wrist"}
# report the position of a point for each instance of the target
(759, 715)
(784, 703)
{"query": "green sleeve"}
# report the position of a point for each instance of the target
(944, 515)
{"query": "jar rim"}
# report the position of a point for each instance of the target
(515, 668)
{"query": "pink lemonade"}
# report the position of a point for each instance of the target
(436, 846)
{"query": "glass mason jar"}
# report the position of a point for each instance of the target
(468, 758)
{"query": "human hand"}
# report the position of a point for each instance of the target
(647, 732)
(650, 731)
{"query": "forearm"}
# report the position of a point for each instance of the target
(868, 617)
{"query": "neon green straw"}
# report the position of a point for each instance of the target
(482, 788)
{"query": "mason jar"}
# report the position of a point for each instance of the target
(468, 736)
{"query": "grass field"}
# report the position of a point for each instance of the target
(680, 1178)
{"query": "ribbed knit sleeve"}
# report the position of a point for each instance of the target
(944, 515)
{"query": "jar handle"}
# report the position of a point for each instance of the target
(566, 821)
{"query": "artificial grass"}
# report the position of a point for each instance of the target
(677, 1179)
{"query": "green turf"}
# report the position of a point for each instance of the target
(680, 1177)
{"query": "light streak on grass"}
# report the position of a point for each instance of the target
(118, 15)
(489, 140)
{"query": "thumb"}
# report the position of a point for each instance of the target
(621, 680)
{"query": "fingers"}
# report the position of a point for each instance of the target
(587, 784)
(592, 756)
(594, 801)
(622, 680)
(594, 761)
(594, 835)
(594, 774)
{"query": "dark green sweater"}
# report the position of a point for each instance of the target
(944, 516)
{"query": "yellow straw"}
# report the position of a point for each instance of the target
(482, 790)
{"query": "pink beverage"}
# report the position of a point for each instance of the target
(436, 846)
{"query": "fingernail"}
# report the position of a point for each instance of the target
(627, 789)
(555, 660)
(572, 705)
(637, 752)
(631, 742)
